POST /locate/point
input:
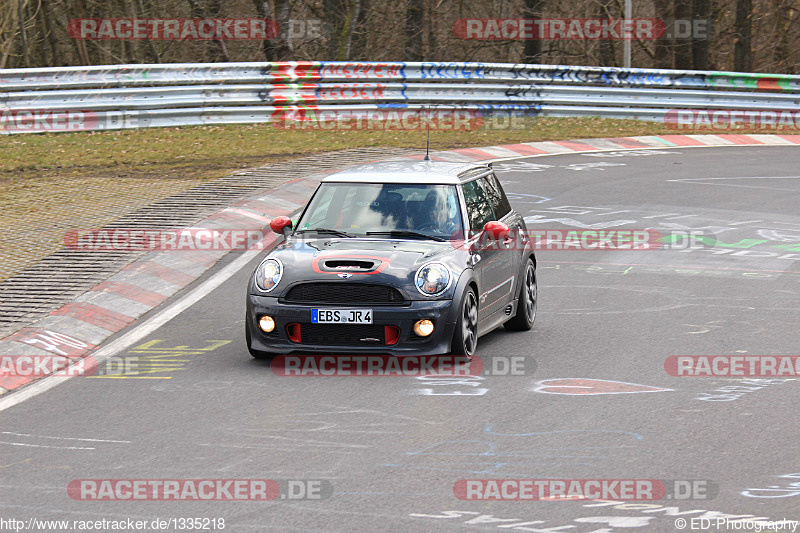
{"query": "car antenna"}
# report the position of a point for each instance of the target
(428, 138)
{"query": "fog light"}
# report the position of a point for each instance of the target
(423, 328)
(267, 324)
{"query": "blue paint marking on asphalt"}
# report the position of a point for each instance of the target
(491, 448)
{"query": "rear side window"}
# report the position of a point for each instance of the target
(497, 197)
(479, 208)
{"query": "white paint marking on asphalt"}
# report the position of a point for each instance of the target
(139, 332)
(248, 214)
(44, 446)
(62, 438)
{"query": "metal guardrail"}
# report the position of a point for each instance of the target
(131, 96)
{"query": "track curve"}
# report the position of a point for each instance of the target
(392, 449)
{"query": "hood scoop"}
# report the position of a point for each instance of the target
(348, 264)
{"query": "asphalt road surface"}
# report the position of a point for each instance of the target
(384, 453)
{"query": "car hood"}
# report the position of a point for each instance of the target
(366, 260)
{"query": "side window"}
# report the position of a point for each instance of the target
(496, 196)
(479, 208)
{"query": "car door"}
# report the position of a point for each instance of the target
(511, 262)
(492, 266)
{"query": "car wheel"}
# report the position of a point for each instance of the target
(526, 306)
(465, 337)
(255, 353)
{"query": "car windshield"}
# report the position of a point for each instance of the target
(384, 209)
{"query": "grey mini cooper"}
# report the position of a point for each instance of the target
(402, 258)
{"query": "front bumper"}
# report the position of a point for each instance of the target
(402, 317)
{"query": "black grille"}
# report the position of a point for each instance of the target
(344, 293)
(342, 334)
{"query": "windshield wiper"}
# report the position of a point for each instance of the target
(406, 233)
(328, 231)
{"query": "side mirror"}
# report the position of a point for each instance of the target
(496, 231)
(281, 225)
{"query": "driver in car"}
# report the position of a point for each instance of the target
(439, 214)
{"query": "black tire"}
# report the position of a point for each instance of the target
(526, 306)
(263, 356)
(465, 337)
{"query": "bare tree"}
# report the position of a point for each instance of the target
(199, 12)
(415, 13)
(749, 34)
(348, 30)
(264, 10)
(787, 17)
(743, 41)
(334, 17)
(701, 10)
(9, 13)
(430, 29)
(532, 53)
(662, 52)
(606, 46)
(283, 44)
(682, 47)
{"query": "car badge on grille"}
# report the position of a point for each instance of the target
(345, 275)
(369, 339)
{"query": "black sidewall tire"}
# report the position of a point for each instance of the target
(520, 321)
(458, 346)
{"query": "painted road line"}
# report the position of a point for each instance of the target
(139, 332)
(662, 147)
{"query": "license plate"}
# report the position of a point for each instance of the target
(341, 316)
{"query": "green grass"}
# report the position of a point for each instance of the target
(212, 151)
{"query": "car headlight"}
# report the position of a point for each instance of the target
(432, 279)
(268, 274)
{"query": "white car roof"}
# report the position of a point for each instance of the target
(418, 172)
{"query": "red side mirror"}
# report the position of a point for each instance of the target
(280, 224)
(496, 230)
